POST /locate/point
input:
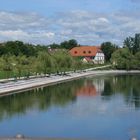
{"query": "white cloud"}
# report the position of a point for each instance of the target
(104, 20)
(25, 36)
(13, 34)
(86, 27)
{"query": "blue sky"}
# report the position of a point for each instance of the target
(91, 22)
(47, 7)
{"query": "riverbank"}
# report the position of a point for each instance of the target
(12, 87)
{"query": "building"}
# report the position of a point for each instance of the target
(89, 54)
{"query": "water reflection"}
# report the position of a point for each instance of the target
(40, 98)
(126, 85)
(91, 87)
(64, 94)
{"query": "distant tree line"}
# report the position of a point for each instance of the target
(44, 63)
(20, 59)
(18, 47)
(65, 45)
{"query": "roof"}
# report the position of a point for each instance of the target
(85, 51)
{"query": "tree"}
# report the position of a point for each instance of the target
(45, 62)
(132, 43)
(69, 44)
(129, 43)
(17, 48)
(137, 43)
(54, 46)
(6, 65)
(122, 59)
(108, 48)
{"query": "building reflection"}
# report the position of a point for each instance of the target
(91, 88)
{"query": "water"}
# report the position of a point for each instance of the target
(103, 107)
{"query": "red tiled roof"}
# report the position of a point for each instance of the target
(85, 51)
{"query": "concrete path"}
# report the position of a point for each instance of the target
(22, 85)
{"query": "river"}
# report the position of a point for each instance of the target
(99, 107)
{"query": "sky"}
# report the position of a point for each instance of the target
(90, 22)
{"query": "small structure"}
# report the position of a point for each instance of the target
(89, 54)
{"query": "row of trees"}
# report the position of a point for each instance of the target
(20, 59)
(64, 45)
(18, 47)
(44, 63)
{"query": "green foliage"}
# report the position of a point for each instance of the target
(124, 59)
(129, 43)
(69, 44)
(45, 62)
(16, 48)
(137, 43)
(133, 43)
(137, 60)
(128, 57)
(63, 60)
(108, 48)
(54, 46)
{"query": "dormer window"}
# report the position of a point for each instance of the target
(89, 51)
(75, 52)
(84, 52)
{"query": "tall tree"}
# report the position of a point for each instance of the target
(45, 62)
(108, 48)
(129, 43)
(132, 43)
(137, 43)
(69, 44)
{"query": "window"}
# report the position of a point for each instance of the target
(89, 51)
(75, 52)
(84, 51)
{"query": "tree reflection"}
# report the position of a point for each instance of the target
(39, 98)
(126, 85)
(62, 94)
